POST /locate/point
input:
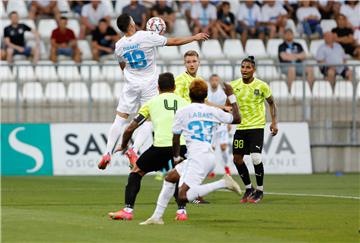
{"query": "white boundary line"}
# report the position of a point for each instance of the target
(311, 195)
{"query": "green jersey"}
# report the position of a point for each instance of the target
(182, 83)
(161, 109)
(251, 99)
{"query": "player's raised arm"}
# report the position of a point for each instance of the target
(273, 114)
(178, 41)
(232, 99)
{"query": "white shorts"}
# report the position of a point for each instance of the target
(221, 135)
(134, 95)
(195, 169)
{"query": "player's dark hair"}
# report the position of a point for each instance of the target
(11, 13)
(250, 59)
(191, 53)
(225, 3)
(166, 82)
(63, 18)
(213, 75)
(102, 20)
(198, 90)
(123, 22)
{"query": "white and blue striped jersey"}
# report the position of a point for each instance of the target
(197, 123)
(139, 53)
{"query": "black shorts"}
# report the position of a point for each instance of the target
(324, 70)
(157, 158)
(248, 141)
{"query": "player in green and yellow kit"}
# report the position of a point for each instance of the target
(161, 109)
(251, 94)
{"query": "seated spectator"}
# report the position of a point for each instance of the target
(274, 18)
(163, 11)
(309, 17)
(326, 9)
(76, 6)
(248, 17)
(2, 50)
(351, 9)
(44, 7)
(345, 37)
(15, 44)
(103, 40)
(91, 13)
(203, 15)
(138, 13)
(331, 53)
(291, 56)
(63, 42)
(226, 21)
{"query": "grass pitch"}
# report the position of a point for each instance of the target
(74, 209)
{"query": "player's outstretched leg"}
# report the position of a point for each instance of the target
(113, 136)
(259, 174)
(131, 191)
(244, 175)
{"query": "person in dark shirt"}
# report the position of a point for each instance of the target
(345, 37)
(63, 42)
(138, 12)
(103, 40)
(163, 11)
(226, 21)
(15, 43)
(291, 56)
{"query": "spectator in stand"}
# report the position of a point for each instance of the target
(91, 13)
(163, 11)
(345, 37)
(291, 56)
(274, 18)
(63, 42)
(351, 9)
(2, 49)
(226, 21)
(248, 17)
(331, 53)
(138, 12)
(44, 7)
(309, 16)
(203, 15)
(14, 38)
(326, 9)
(103, 40)
(76, 6)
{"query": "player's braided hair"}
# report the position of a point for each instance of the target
(250, 59)
(198, 90)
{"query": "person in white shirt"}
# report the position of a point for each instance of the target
(274, 18)
(248, 18)
(309, 16)
(196, 123)
(203, 15)
(136, 54)
(351, 9)
(91, 14)
(217, 96)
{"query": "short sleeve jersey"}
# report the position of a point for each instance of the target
(62, 37)
(16, 34)
(139, 53)
(197, 122)
(100, 37)
(161, 109)
(217, 96)
(251, 99)
(293, 47)
(182, 83)
(94, 15)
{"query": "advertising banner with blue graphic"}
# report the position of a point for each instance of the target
(75, 149)
(26, 149)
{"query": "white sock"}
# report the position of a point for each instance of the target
(225, 156)
(114, 133)
(260, 188)
(167, 192)
(248, 186)
(202, 190)
(144, 133)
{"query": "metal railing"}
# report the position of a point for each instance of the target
(45, 93)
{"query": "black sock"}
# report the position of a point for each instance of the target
(243, 173)
(259, 173)
(132, 189)
(181, 205)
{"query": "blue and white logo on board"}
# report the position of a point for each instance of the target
(26, 149)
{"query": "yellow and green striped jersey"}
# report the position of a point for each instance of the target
(161, 109)
(251, 99)
(182, 83)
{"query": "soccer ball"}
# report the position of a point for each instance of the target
(157, 25)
